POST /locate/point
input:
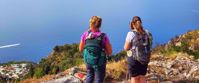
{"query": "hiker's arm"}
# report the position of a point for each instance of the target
(81, 46)
(82, 42)
(127, 46)
(108, 49)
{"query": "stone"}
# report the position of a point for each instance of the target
(65, 79)
(183, 67)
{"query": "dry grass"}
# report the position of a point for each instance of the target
(82, 67)
(117, 70)
(47, 77)
(114, 71)
(35, 80)
(30, 80)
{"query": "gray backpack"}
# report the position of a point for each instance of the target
(141, 47)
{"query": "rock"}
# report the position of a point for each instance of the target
(167, 82)
(61, 74)
(65, 79)
(73, 70)
(183, 67)
(154, 78)
(81, 76)
(170, 64)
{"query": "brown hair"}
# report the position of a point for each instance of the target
(136, 23)
(95, 21)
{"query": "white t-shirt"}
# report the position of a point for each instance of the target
(130, 36)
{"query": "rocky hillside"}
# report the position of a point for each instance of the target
(182, 68)
(174, 62)
(186, 43)
(179, 68)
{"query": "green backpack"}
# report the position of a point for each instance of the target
(94, 53)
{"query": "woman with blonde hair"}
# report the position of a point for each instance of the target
(95, 46)
(138, 46)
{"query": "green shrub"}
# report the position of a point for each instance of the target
(38, 72)
(61, 58)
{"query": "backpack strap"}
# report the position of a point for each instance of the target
(89, 34)
(102, 35)
(135, 35)
(89, 31)
(102, 38)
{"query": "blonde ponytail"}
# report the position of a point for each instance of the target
(95, 21)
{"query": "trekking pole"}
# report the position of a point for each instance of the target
(127, 77)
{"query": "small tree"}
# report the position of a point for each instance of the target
(38, 72)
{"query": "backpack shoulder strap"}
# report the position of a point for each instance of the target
(89, 31)
(102, 35)
(88, 36)
(135, 33)
(102, 38)
(134, 40)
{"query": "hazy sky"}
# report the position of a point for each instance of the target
(34, 27)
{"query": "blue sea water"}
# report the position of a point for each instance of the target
(38, 25)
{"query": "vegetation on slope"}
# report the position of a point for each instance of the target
(187, 43)
(64, 57)
(60, 59)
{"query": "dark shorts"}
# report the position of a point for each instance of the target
(135, 68)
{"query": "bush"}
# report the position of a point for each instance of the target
(62, 58)
(119, 56)
(38, 72)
